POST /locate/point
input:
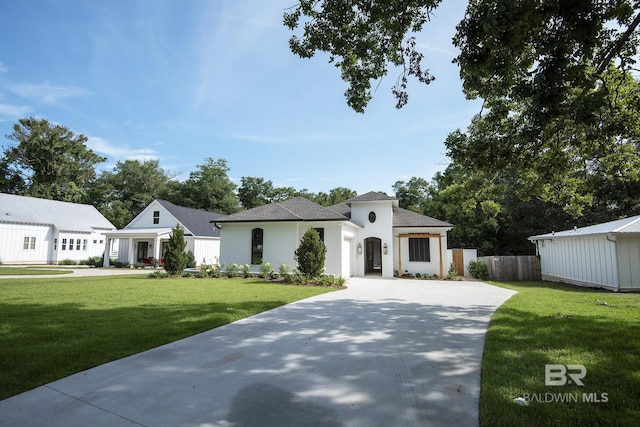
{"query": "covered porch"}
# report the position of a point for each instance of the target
(138, 245)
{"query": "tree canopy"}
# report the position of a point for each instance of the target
(561, 101)
(47, 161)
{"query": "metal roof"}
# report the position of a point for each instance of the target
(64, 216)
(629, 225)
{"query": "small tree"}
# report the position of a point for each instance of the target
(311, 254)
(175, 258)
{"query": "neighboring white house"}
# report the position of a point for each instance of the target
(145, 237)
(40, 231)
(368, 234)
(604, 255)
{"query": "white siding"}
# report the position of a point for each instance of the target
(12, 241)
(92, 249)
(207, 250)
(588, 261)
(628, 249)
(145, 218)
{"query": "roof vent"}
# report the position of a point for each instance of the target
(575, 228)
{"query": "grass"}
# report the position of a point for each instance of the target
(549, 323)
(52, 328)
(27, 271)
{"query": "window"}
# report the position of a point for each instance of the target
(321, 233)
(256, 246)
(95, 241)
(84, 245)
(64, 244)
(419, 249)
(77, 244)
(55, 244)
(372, 217)
(29, 243)
(70, 244)
(156, 217)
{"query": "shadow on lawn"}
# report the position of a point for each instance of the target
(42, 343)
(520, 343)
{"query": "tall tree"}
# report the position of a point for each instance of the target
(254, 192)
(556, 78)
(209, 188)
(124, 192)
(413, 194)
(48, 161)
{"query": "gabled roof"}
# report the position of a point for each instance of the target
(371, 196)
(296, 209)
(196, 221)
(406, 218)
(629, 225)
(65, 216)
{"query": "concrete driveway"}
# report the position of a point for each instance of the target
(381, 353)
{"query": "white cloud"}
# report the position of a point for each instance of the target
(14, 110)
(103, 146)
(46, 92)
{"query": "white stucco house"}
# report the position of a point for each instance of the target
(41, 231)
(366, 235)
(604, 255)
(145, 237)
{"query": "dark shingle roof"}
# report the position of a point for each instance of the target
(195, 220)
(371, 196)
(296, 209)
(405, 218)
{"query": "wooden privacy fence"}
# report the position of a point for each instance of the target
(513, 268)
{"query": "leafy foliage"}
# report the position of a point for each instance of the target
(311, 254)
(175, 257)
(47, 161)
(478, 269)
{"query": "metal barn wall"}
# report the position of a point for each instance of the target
(12, 243)
(628, 249)
(586, 261)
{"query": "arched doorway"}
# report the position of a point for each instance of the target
(373, 256)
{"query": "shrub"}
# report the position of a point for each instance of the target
(327, 280)
(67, 262)
(175, 258)
(283, 270)
(418, 276)
(478, 269)
(191, 259)
(232, 270)
(452, 273)
(246, 271)
(215, 271)
(139, 265)
(266, 270)
(340, 281)
(96, 261)
(204, 270)
(122, 264)
(311, 254)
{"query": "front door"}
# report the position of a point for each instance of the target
(143, 248)
(373, 258)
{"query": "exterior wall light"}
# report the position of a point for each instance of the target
(385, 249)
(359, 248)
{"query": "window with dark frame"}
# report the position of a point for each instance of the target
(156, 217)
(71, 241)
(256, 246)
(419, 249)
(64, 244)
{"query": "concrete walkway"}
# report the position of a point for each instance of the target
(78, 272)
(381, 353)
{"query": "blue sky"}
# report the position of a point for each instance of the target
(180, 81)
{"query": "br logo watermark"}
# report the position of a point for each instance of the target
(556, 375)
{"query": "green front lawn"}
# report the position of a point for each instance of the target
(561, 324)
(51, 328)
(28, 271)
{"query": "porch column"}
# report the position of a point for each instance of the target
(131, 251)
(441, 261)
(156, 247)
(399, 257)
(107, 252)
